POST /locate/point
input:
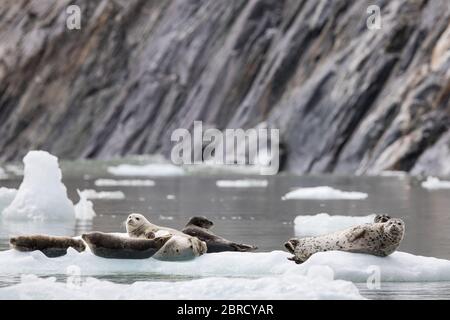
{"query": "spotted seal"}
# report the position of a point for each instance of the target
(51, 246)
(199, 227)
(179, 247)
(112, 246)
(380, 238)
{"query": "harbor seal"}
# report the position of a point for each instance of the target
(378, 238)
(51, 246)
(116, 247)
(199, 227)
(179, 247)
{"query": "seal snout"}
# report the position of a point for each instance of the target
(290, 245)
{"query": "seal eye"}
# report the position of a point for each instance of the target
(137, 219)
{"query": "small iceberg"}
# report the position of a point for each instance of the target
(324, 193)
(84, 209)
(286, 287)
(244, 183)
(149, 170)
(42, 195)
(3, 174)
(433, 183)
(323, 223)
(102, 195)
(6, 197)
(124, 183)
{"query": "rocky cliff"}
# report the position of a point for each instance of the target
(346, 99)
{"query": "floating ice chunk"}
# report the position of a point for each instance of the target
(170, 197)
(244, 183)
(155, 169)
(3, 174)
(161, 217)
(15, 169)
(323, 223)
(124, 183)
(284, 287)
(433, 183)
(41, 196)
(324, 193)
(84, 209)
(398, 267)
(6, 197)
(393, 173)
(355, 267)
(111, 195)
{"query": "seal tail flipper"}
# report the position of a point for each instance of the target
(243, 247)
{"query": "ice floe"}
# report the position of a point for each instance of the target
(101, 195)
(323, 223)
(84, 209)
(41, 195)
(284, 287)
(324, 193)
(433, 183)
(398, 267)
(124, 183)
(149, 170)
(6, 197)
(244, 183)
(3, 174)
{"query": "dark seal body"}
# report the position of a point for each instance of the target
(199, 227)
(51, 246)
(116, 247)
(380, 239)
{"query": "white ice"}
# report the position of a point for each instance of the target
(84, 209)
(6, 197)
(282, 287)
(124, 183)
(244, 183)
(398, 267)
(323, 223)
(110, 195)
(3, 174)
(433, 183)
(149, 170)
(324, 193)
(42, 195)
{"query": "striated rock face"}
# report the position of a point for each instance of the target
(346, 99)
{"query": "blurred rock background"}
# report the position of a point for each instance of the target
(346, 99)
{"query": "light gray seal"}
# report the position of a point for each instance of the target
(179, 247)
(117, 247)
(51, 246)
(378, 238)
(199, 227)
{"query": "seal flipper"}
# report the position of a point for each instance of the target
(243, 247)
(357, 233)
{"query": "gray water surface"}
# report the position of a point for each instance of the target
(259, 216)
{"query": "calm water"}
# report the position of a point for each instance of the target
(259, 216)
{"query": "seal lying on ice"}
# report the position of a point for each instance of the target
(199, 227)
(51, 246)
(380, 238)
(180, 246)
(116, 247)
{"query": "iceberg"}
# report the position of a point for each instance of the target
(323, 223)
(433, 183)
(41, 195)
(244, 183)
(124, 183)
(3, 174)
(149, 170)
(285, 287)
(324, 193)
(6, 197)
(355, 267)
(111, 195)
(84, 209)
